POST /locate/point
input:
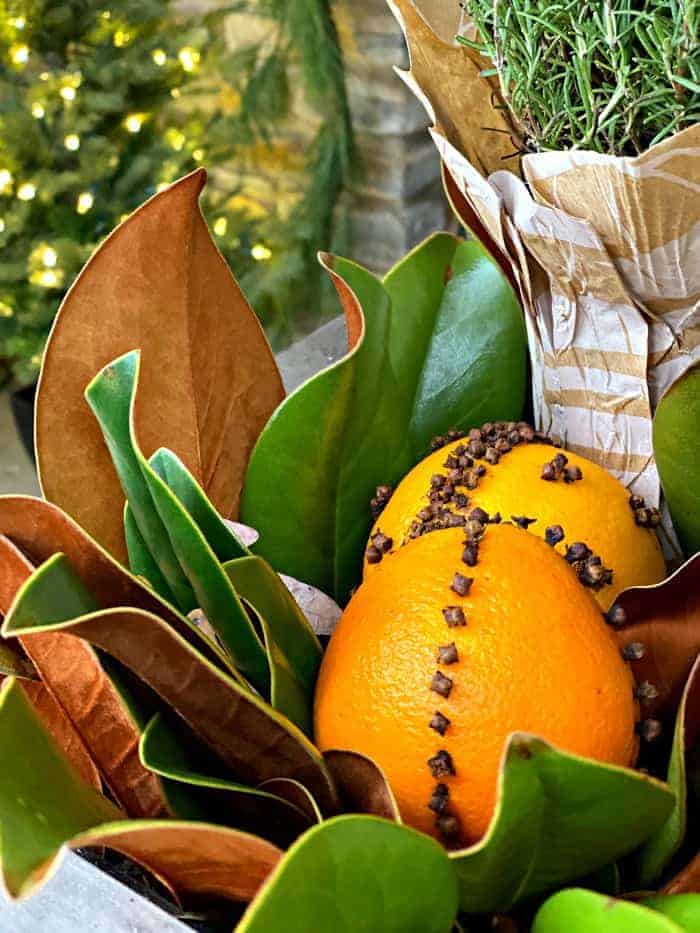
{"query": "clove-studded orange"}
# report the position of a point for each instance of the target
(435, 662)
(509, 470)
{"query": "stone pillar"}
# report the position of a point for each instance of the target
(399, 199)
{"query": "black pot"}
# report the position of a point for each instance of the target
(22, 404)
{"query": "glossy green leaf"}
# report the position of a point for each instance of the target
(578, 911)
(676, 432)
(559, 817)
(141, 561)
(42, 801)
(683, 909)
(175, 755)
(172, 537)
(14, 664)
(251, 738)
(663, 845)
(429, 356)
(358, 873)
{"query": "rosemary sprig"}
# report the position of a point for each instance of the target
(614, 76)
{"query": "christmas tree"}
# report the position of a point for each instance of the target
(102, 106)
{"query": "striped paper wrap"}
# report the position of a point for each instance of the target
(604, 251)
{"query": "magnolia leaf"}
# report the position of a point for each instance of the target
(683, 909)
(296, 795)
(172, 754)
(359, 873)
(665, 618)
(244, 731)
(428, 356)
(44, 805)
(362, 785)
(208, 388)
(687, 880)
(663, 845)
(85, 712)
(676, 430)
(558, 817)
(464, 105)
(173, 538)
(578, 911)
(15, 664)
(141, 562)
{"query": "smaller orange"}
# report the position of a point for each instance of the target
(428, 673)
(592, 509)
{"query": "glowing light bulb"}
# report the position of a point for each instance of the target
(5, 310)
(189, 58)
(198, 155)
(121, 38)
(106, 14)
(26, 191)
(19, 53)
(159, 57)
(84, 202)
(220, 226)
(5, 180)
(175, 138)
(134, 122)
(2, 225)
(72, 142)
(67, 93)
(38, 111)
(47, 278)
(49, 257)
(260, 252)
(19, 22)
(175, 92)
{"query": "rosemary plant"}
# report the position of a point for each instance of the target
(615, 76)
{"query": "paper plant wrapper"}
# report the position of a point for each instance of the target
(604, 251)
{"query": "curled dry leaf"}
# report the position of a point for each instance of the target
(80, 706)
(207, 390)
(666, 619)
(464, 104)
(686, 881)
(362, 785)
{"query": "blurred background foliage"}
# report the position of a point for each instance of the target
(103, 104)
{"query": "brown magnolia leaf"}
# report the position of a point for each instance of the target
(687, 881)
(96, 723)
(665, 619)
(362, 785)
(466, 107)
(40, 530)
(14, 664)
(209, 381)
(255, 741)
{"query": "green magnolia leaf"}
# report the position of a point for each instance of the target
(244, 731)
(663, 845)
(578, 911)
(558, 817)
(175, 755)
(425, 356)
(358, 873)
(42, 801)
(174, 540)
(14, 664)
(683, 909)
(141, 561)
(676, 430)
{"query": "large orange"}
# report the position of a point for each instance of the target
(594, 510)
(534, 656)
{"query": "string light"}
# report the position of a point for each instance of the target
(44, 76)
(121, 38)
(67, 93)
(26, 191)
(106, 14)
(220, 226)
(19, 22)
(5, 180)
(134, 122)
(175, 92)
(72, 142)
(189, 58)
(49, 256)
(47, 278)
(175, 138)
(19, 53)
(5, 310)
(260, 252)
(38, 111)
(198, 155)
(84, 202)
(2, 225)
(159, 57)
